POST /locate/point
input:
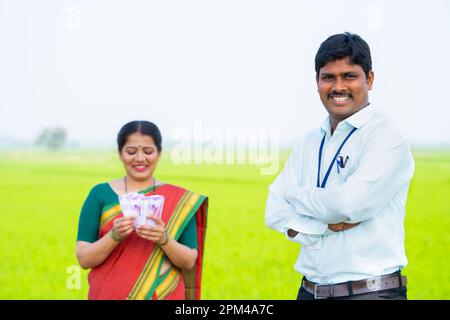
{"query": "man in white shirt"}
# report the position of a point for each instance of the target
(343, 190)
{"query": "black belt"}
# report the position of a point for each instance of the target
(345, 289)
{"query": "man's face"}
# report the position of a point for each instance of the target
(343, 88)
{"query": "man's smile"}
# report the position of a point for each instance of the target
(339, 98)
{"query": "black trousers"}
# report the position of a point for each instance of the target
(390, 294)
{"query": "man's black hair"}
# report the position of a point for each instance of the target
(344, 45)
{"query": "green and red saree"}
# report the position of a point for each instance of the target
(132, 270)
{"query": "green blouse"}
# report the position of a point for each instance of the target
(102, 195)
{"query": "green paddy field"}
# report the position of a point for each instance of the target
(41, 195)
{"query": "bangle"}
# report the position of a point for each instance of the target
(114, 236)
(166, 239)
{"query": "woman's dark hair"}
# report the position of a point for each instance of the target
(343, 45)
(146, 128)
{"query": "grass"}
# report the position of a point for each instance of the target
(41, 195)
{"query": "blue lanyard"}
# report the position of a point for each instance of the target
(324, 182)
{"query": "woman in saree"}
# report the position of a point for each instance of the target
(159, 261)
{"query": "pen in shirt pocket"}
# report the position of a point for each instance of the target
(340, 162)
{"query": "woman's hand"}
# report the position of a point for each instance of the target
(122, 227)
(91, 255)
(156, 233)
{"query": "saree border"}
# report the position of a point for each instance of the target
(185, 210)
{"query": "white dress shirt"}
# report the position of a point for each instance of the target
(371, 189)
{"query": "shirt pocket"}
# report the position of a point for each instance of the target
(345, 172)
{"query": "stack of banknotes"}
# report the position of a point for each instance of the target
(140, 206)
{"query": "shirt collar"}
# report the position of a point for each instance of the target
(356, 120)
(361, 117)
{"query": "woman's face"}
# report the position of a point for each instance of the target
(139, 156)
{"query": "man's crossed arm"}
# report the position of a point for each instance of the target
(309, 212)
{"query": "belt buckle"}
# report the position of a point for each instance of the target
(316, 297)
(374, 284)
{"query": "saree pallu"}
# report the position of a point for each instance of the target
(132, 270)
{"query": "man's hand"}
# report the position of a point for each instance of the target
(341, 226)
(292, 233)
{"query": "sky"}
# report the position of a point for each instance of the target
(91, 66)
